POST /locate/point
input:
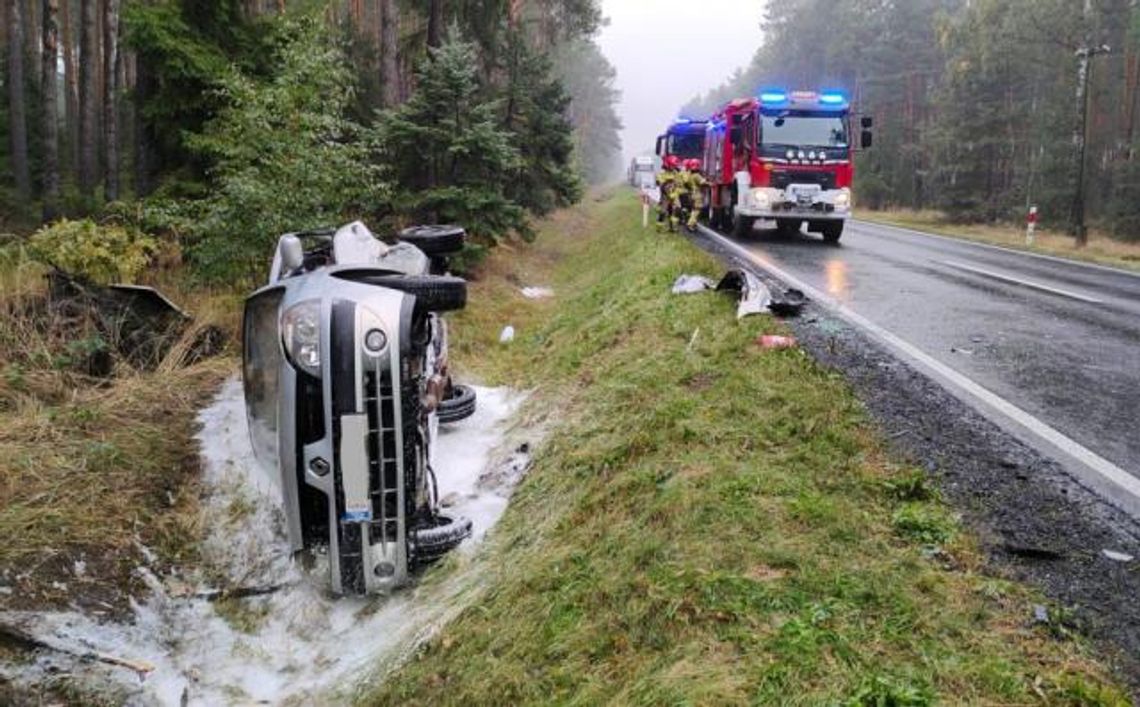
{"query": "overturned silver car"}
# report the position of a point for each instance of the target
(346, 376)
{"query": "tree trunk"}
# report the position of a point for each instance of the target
(110, 98)
(435, 24)
(17, 101)
(389, 59)
(89, 63)
(71, 88)
(50, 110)
(144, 87)
(1130, 91)
(34, 25)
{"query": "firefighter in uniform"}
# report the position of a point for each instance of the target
(693, 191)
(669, 181)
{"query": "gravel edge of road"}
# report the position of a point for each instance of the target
(1034, 521)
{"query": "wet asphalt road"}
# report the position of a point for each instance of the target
(1060, 340)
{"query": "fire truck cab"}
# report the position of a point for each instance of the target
(785, 156)
(685, 138)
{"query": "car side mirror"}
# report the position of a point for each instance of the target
(292, 254)
(866, 139)
(660, 144)
(867, 122)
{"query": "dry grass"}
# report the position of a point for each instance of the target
(1100, 249)
(94, 469)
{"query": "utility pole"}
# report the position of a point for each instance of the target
(1084, 71)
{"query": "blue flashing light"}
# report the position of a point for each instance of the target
(773, 97)
(682, 121)
(832, 98)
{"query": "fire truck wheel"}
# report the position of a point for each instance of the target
(434, 293)
(436, 239)
(832, 231)
(788, 227)
(741, 225)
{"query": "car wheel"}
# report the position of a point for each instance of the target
(434, 293)
(435, 240)
(458, 405)
(443, 535)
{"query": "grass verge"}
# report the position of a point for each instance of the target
(709, 522)
(96, 472)
(1101, 249)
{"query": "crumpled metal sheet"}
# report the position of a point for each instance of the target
(754, 295)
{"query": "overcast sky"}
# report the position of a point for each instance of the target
(666, 51)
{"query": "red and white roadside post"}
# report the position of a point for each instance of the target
(1030, 225)
(644, 208)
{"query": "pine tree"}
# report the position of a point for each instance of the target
(535, 112)
(451, 160)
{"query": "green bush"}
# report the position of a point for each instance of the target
(285, 156)
(102, 254)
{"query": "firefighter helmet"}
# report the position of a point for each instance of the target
(693, 164)
(671, 162)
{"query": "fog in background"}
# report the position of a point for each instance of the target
(667, 51)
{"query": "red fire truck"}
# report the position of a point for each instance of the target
(784, 156)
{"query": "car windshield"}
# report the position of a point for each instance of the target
(686, 146)
(804, 130)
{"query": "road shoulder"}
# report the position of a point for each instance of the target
(1033, 521)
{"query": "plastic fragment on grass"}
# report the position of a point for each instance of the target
(507, 335)
(688, 284)
(1117, 556)
(774, 341)
(537, 292)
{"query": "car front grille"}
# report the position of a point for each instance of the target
(383, 454)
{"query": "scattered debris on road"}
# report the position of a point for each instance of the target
(754, 295)
(507, 335)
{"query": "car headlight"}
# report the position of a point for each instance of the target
(843, 199)
(761, 199)
(301, 334)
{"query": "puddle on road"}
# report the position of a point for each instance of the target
(299, 642)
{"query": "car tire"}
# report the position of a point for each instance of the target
(435, 240)
(458, 405)
(433, 293)
(431, 543)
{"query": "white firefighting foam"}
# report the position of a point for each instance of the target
(298, 643)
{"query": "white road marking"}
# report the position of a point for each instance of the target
(1112, 482)
(871, 225)
(1032, 284)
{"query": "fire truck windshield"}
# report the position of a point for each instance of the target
(804, 130)
(686, 146)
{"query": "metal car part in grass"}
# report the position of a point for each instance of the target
(345, 365)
